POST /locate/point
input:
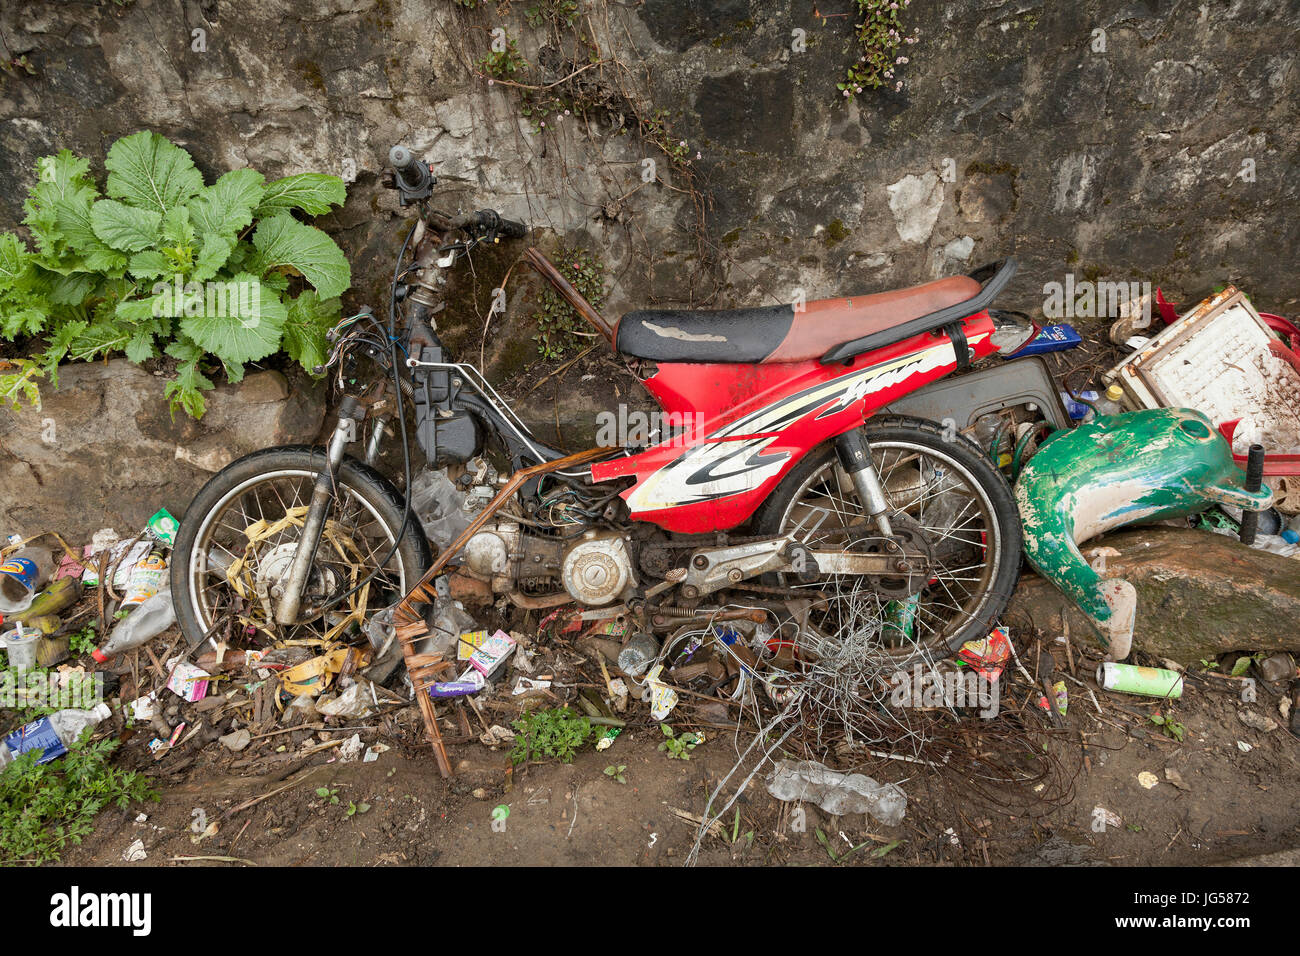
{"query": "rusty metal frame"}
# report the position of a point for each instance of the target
(408, 623)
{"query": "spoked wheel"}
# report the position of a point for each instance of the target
(236, 544)
(947, 502)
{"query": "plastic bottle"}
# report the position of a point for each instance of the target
(147, 621)
(52, 735)
(1112, 403)
(837, 793)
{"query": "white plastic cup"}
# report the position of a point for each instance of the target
(22, 650)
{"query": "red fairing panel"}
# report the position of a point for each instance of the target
(748, 425)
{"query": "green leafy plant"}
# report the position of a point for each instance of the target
(329, 794)
(46, 807)
(616, 772)
(161, 263)
(1169, 727)
(355, 808)
(679, 748)
(563, 12)
(880, 37)
(503, 64)
(560, 328)
(85, 640)
(557, 733)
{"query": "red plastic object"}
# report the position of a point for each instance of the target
(1275, 466)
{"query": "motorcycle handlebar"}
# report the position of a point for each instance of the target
(490, 219)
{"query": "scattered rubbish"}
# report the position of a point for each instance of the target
(350, 749)
(1147, 779)
(492, 653)
(1117, 470)
(135, 852)
(606, 739)
(1257, 721)
(496, 735)
(1051, 338)
(1176, 778)
(1184, 366)
(1109, 817)
(837, 793)
(20, 643)
(373, 752)
(52, 735)
(151, 616)
(457, 688)
(236, 741)
(527, 685)
(143, 708)
(1146, 681)
(50, 602)
(1244, 747)
(662, 697)
(637, 655)
(146, 579)
(186, 680)
(22, 575)
(988, 656)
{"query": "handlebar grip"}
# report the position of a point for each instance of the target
(401, 159)
(513, 230)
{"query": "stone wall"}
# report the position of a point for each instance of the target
(1012, 134)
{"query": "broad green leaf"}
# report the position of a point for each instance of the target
(241, 325)
(150, 172)
(141, 346)
(28, 320)
(59, 343)
(309, 319)
(99, 339)
(144, 310)
(124, 227)
(72, 289)
(20, 385)
(176, 228)
(227, 205)
(283, 243)
(150, 264)
(14, 262)
(313, 193)
(212, 256)
(187, 388)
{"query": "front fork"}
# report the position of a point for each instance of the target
(855, 457)
(351, 415)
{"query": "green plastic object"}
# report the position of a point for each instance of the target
(1120, 470)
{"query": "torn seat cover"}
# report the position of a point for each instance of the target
(778, 333)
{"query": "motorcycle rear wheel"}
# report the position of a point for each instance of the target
(938, 482)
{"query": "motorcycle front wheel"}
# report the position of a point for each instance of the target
(238, 537)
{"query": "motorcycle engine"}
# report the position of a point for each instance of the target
(596, 569)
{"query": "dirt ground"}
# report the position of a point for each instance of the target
(1208, 799)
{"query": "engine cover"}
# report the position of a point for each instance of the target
(598, 569)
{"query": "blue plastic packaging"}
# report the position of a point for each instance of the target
(1051, 338)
